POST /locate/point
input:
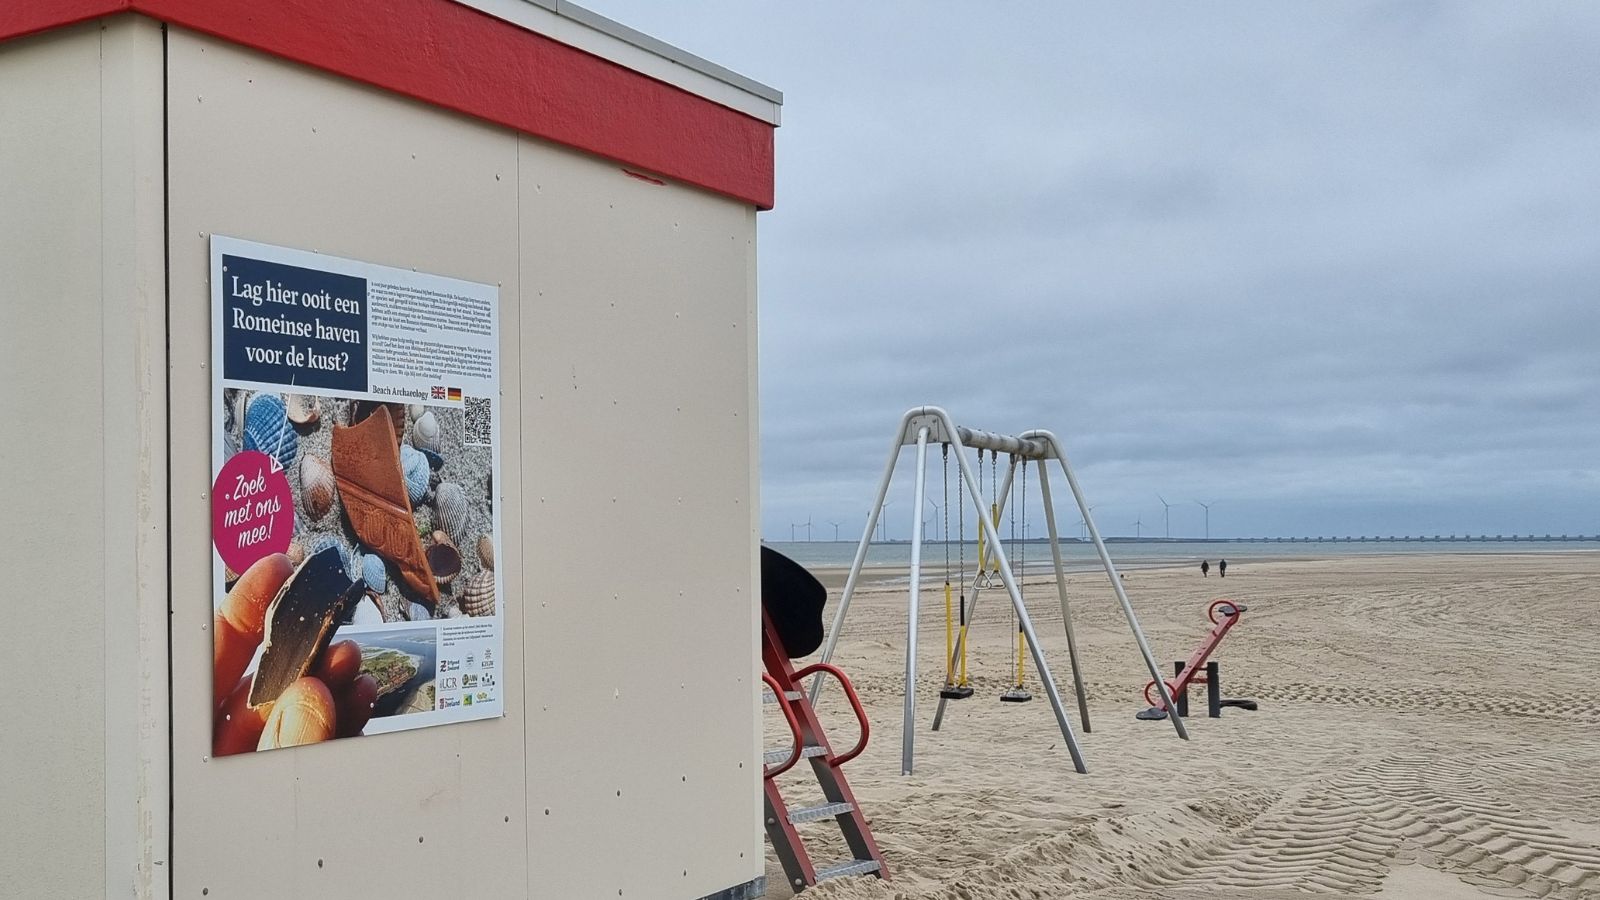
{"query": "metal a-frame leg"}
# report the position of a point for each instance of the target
(1111, 573)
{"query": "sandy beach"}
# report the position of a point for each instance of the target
(1428, 729)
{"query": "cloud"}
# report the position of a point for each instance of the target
(1333, 265)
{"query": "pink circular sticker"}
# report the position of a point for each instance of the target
(252, 509)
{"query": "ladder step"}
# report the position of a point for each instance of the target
(773, 757)
(813, 813)
(849, 867)
(769, 697)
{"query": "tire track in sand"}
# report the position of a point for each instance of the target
(1343, 835)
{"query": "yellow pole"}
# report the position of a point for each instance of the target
(983, 555)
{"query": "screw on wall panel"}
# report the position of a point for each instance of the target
(419, 838)
(319, 863)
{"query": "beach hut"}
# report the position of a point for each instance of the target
(380, 453)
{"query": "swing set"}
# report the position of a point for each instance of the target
(921, 426)
(957, 686)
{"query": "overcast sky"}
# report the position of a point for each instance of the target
(1335, 267)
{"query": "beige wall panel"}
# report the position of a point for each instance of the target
(82, 351)
(269, 151)
(638, 383)
(50, 342)
(134, 372)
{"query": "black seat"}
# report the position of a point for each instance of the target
(793, 599)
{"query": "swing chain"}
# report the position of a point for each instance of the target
(1022, 550)
(945, 510)
(961, 546)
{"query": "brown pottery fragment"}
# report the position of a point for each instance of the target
(366, 465)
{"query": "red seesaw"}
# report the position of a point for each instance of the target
(1188, 672)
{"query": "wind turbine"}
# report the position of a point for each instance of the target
(808, 529)
(1083, 527)
(835, 530)
(1166, 509)
(1208, 516)
(1138, 528)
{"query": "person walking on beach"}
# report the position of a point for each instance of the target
(1222, 568)
(1205, 568)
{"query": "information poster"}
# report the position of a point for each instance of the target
(355, 414)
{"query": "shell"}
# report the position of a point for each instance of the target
(477, 595)
(425, 432)
(237, 399)
(374, 573)
(420, 613)
(486, 551)
(414, 466)
(303, 409)
(416, 410)
(266, 428)
(444, 560)
(316, 486)
(322, 542)
(367, 613)
(435, 461)
(450, 502)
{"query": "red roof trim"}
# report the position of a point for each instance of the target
(449, 55)
(23, 17)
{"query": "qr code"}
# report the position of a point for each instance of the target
(480, 424)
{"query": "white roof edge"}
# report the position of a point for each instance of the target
(593, 33)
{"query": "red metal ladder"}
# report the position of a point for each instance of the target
(810, 743)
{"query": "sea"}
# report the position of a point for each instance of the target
(1129, 553)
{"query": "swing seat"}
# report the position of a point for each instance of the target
(955, 691)
(1016, 695)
